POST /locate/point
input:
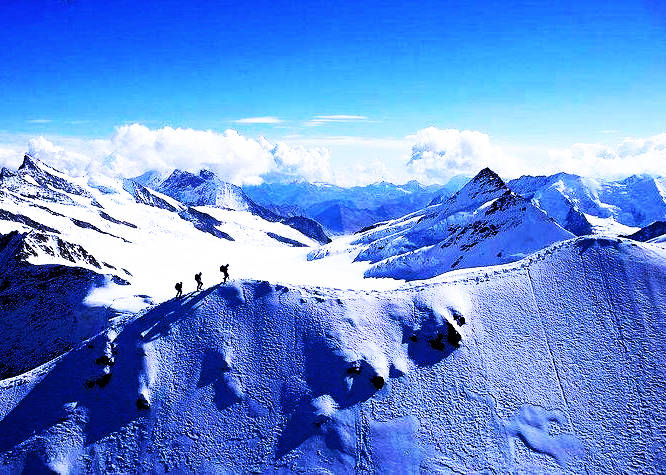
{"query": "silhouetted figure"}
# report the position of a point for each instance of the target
(225, 270)
(179, 289)
(197, 277)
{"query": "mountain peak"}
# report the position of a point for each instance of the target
(29, 162)
(207, 174)
(488, 176)
(485, 182)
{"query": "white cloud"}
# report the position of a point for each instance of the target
(335, 118)
(631, 156)
(259, 120)
(296, 161)
(439, 154)
(134, 149)
(431, 155)
(10, 156)
(72, 161)
(38, 121)
(235, 158)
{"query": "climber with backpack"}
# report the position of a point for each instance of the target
(225, 271)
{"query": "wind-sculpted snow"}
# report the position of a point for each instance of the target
(552, 364)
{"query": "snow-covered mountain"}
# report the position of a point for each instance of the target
(560, 370)
(550, 362)
(74, 256)
(206, 189)
(482, 224)
(346, 210)
(608, 206)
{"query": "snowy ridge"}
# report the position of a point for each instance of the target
(546, 379)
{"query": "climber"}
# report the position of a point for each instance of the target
(197, 277)
(225, 270)
(179, 289)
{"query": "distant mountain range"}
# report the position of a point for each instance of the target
(346, 210)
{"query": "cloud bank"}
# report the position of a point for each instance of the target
(431, 155)
(440, 154)
(631, 156)
(134, 149)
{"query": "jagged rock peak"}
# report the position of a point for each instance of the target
(488, 176)
(29, 162)
(207, 174)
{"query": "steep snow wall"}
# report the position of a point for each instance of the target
(561, 368)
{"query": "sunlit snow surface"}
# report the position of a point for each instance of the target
(560, 367)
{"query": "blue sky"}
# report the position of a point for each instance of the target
(525, 72)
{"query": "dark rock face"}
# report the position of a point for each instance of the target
(46, 302)
(116, 221)
(285, 240)
(145, 196)
(204, 222)
(649, 232)
(577, 223)
(19, 218)
(309, 227)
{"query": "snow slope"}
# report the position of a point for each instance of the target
(560, 369)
